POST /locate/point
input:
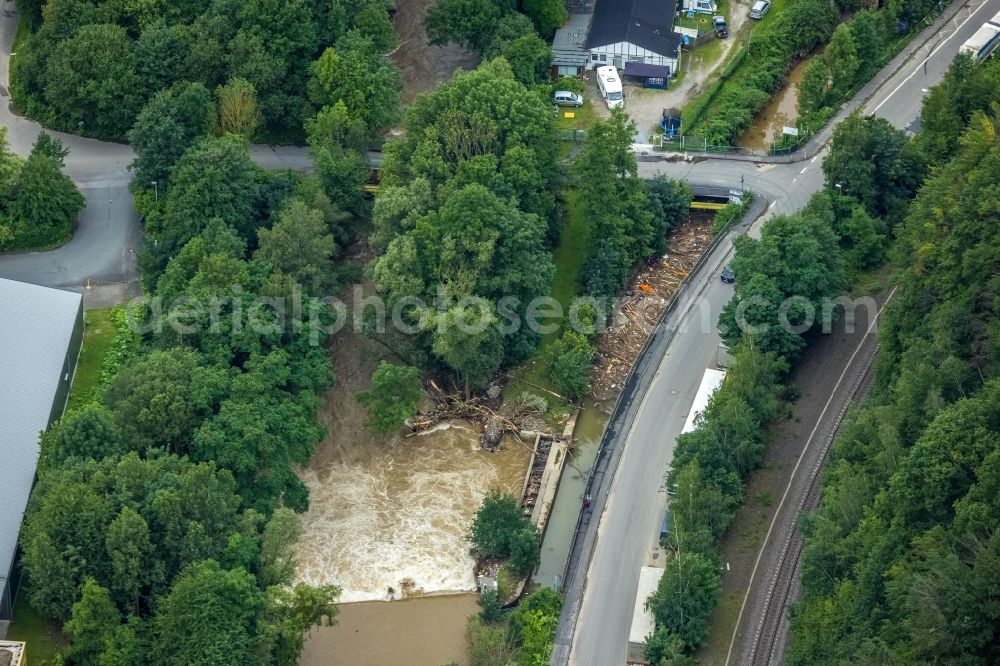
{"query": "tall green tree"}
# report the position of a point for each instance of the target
(44, 202)
(209, 617)
(571, 358)
(166, 127)
(214, 179)
(685, 596)
(87, 432)
(238, 111)
(301, 246)
(547, 15)
(90, 81)
(616, 204)
(394, 397)
(842, 59)
(467, 339)
(870, 160)
(670, 202)
(356, 74)
(92, 624)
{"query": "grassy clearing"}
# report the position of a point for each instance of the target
(577, 118)
(43, 638)
(97, 340)
(568, 258)
(713, 652)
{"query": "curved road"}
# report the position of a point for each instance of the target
(594, 627)
(106, 237)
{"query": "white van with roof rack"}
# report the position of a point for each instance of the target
(610, 85)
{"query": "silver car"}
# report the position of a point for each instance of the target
(759, 9)
(567, 98)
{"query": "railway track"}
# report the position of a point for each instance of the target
(763, 615)
(772, 629)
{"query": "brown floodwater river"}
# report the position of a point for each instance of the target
(396, 514)
(426, 631)
(782, 110)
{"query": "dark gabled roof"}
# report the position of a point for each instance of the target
(645, 70)
(645, 23)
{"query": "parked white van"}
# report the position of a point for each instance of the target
(610, 86)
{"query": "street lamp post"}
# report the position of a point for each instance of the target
(156, 191)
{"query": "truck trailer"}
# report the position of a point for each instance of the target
(982, 44)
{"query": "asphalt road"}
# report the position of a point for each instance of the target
(629, 525)
(107, 235)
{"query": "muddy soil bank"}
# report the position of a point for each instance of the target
(424, 66)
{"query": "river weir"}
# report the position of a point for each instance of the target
(391, 519)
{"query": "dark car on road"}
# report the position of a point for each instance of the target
(721, 29)
(728, 275)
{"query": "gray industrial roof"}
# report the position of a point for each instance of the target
(36, 326)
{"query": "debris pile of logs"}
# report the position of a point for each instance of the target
(449, 406)
(644, 302)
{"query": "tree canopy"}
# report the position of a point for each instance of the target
(464, 218)
(38, 202)
(91, 66)
(895, 564)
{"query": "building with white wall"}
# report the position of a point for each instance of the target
(634, 31)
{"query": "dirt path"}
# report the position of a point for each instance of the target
(424, 66)
(644, 105)
(814, 376)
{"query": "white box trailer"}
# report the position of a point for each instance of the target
(982, 44)
(610, 85)
(710, 382)
(642, 620)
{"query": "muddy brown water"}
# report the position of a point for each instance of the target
(385, 512)
(428, 631)
(396, 514)
(781, 111)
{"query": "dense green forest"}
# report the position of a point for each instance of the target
(901, 558)
(162, 526)
(782, 281)
(177, 483)
(89, 66)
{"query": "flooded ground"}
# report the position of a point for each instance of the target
(429, 631)
(385, 512)
(424, 66)
(781, 111)
(558, 536)
(396, 514)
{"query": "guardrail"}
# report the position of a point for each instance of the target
(620, 420)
